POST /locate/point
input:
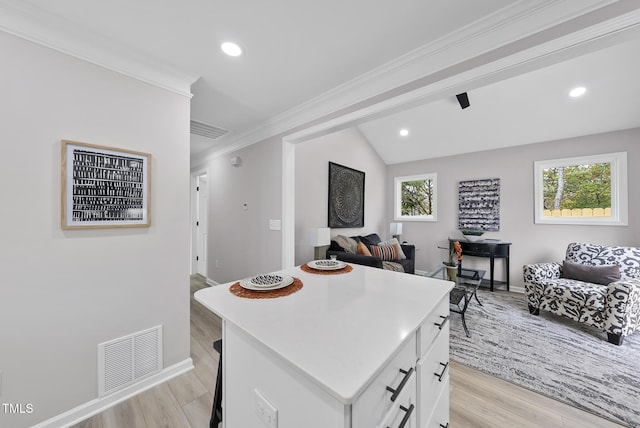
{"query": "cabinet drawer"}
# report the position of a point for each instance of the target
(399, 374)
(433, 325)
(433, 376)
(403, 414)
(440, 416)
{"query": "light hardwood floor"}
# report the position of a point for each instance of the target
(477, 400)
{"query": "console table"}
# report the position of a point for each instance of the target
(489, 249)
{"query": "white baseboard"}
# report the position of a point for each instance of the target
(210, 282)
(93, 407)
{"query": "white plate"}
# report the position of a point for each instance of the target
(266, 282)
(326, 264)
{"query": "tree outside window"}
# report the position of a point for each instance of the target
(582, 190)
(415, 197)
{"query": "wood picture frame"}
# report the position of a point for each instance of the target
(346, 197)
(104, 187)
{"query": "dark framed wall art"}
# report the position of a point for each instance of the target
(346, 196)
(104, 187)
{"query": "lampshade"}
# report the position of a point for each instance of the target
(396, 228)
(320, 236)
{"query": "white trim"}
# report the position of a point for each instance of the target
(619, 190)
(210, 282)
(32, 23)
(397, 196)
(468, 43)
(194, 214)
(93, 407)
(288, 203)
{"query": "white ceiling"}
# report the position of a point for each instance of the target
(529, 108)
(300, 54)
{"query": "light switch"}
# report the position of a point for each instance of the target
(275, 225)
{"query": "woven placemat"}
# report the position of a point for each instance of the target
(240, 291)
(347, 268)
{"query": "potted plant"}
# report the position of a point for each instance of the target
(455, 255)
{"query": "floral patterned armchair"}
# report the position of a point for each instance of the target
(577, 290)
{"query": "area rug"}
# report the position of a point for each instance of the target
(551, 355)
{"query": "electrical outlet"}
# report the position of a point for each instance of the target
(266, 411)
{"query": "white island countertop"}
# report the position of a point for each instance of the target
(338, 330)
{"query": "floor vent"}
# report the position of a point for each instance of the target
(127, 359)
(206, 130)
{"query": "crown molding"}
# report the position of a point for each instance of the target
(31, 23)
(505, 28)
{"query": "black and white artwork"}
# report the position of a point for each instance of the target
(346, 196)
(104, 187)
(479, 204)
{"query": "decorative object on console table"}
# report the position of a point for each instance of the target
(491, 249)
(346, 197)
(320, 239)
(453, 264)
(396, 230)
(104, 187)
(479, 204)
(472, 235)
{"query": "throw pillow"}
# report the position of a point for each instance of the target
(386, 252)
(600, 274)
(363, 250)
(349, 245)
(394, 241)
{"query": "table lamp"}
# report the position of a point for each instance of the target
(396, 230)
(320, 240)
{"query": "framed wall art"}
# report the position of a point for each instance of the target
(346, 196)
(104, 187)
(479, 204)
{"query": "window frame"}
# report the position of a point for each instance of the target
(619, 190)
(397, 209)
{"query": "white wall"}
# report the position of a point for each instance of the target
(514, 166)
(63, 292)
(240, 243)
(349, 148)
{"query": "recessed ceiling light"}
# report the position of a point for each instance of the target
(404, 132)
(231, 49)
(577, 92)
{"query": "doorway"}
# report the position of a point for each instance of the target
(200, 224)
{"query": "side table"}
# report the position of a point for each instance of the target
(466, 288)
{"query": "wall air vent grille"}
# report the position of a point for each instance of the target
(127, 359)
(206, 130)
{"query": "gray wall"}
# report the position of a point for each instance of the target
(348, 148)
(63, 292)
(514, 166)
(240, 240)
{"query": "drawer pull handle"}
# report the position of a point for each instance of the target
(396, 392)
(407, 415)
(444, 370)
(444, 321)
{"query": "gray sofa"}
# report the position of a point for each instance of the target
(408, 263)
(597, 285)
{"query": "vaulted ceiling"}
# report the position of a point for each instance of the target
(307, 62)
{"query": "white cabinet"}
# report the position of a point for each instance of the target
(395, 381)
(356, 350)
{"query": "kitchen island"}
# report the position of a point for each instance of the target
(360, 349)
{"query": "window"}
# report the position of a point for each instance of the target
(582, 190)
(415, 197)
